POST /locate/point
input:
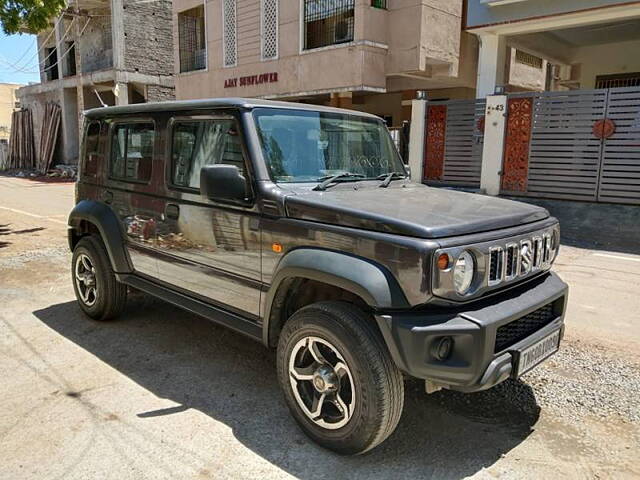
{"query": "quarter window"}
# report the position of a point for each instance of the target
(203, 142)
(92, 149)
(132, 152)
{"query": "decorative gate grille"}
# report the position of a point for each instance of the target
(581, 145)
(453, 142)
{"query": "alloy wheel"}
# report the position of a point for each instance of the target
(322, 383)
(85, 277)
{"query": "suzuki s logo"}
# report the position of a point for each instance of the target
(526, 257)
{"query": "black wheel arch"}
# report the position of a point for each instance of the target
(93, 217)
(365, 279)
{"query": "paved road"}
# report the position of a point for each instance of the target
(164, 394)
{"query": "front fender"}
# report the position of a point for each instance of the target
(368, 280)
(106, 221)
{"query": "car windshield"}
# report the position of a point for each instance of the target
(307, 146)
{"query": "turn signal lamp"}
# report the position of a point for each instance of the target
(443, 261)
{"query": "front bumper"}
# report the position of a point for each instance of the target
(477, 360)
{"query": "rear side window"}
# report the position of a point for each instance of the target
(132, 152)
(92, 151)
(197, 143)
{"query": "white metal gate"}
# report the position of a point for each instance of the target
(620, 165)
(582, 145)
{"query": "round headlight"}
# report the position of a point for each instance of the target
(463, 272)
(555, 245)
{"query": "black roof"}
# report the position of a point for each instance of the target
(181, 105)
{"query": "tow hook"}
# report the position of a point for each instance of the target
(432, 387)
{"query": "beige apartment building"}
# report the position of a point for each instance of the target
(7, 105)
(369, 55)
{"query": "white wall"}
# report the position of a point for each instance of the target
(610, 58)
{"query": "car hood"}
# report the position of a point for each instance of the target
(408, 209)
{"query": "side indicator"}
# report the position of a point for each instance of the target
(276, 247)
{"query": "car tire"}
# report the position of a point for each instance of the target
(335, 349)
(97, 291)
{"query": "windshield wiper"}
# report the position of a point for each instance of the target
(329, 179)
(388, 177)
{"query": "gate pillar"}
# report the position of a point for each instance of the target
(416, 139)
(493, 146)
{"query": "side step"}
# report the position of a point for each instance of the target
(210, 312)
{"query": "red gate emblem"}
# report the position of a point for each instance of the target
(603, 129)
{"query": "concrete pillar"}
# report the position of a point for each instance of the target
(416, 139)
(117, 34)
(341, 100)
(69, 118)
(493, 147)
(79, 86)
(60, 48)
(121, 93)
(491, 64)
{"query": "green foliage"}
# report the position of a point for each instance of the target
(31, 16)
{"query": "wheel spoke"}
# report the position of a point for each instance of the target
(302, 374)
(84, 293)
(318, 403)
(338, 402)
(86, 264)
(341, 369)
(315, 352)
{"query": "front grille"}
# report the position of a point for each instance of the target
(511, 269)
(496, 265)
(519, 329)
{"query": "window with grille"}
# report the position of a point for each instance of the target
(269, 28)
(327, 22)
(191, 40)
(230, 43)
(528, 59)
(619, 80)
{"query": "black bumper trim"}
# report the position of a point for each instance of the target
(473, 365)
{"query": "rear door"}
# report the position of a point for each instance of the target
(133, 175)
(210, 250)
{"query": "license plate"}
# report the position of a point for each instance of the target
(536, 353)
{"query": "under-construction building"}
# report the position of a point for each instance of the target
(99, 52)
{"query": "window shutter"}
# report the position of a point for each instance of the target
(269, 28)
(229, 33)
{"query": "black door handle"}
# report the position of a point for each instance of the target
(172, 211)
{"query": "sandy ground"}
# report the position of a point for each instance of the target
(164, 394)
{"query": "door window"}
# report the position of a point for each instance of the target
(203, 142)
(132, 152)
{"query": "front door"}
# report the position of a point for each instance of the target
(207, 249)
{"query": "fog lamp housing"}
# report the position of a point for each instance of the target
(441, 348)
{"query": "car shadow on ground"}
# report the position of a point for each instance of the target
(189, 360)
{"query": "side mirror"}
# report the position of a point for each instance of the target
(223, 183)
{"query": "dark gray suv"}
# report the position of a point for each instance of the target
(297, 226)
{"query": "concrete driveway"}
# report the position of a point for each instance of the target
(161, 393)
